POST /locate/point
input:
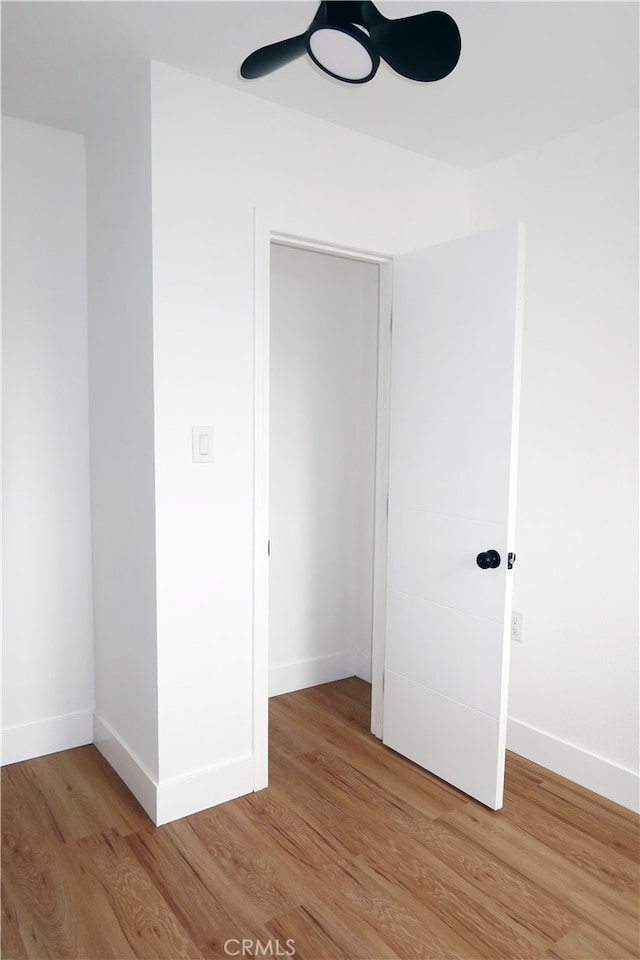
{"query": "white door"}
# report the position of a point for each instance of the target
(453, 445)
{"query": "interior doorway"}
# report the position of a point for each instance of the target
(439, 609)
(323, 423)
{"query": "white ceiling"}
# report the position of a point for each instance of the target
(529, 71)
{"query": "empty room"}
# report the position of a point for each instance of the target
(320, 480)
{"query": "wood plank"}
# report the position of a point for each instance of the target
(603, 860)
(324, 933)
(465, 912)
(344, 700)
(43, 899)
(533, 917)
(23, 817)
(309, 936)
(301, 792)
(260, 889)
(285, 734)
(361, 749)
(585, 943)
(594, 902)
(130, 902)
(33, 876)
(337, 808)
(519, 777)
(595, 816)
(12, 946)
(185, 876)
(302, 869)
(357, 689)
(61, 786)
(352, 852)
(356, 791)
(412, 931)
(492, 881)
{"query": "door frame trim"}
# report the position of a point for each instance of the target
(269, 228)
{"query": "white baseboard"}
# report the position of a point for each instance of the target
(205, 788)
(126, 764)
(363, 665)
(608, 779)
(172, 799)
(309, 673)
(29, 740)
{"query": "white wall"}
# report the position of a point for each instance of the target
(574, 680)
(217, 155)
(122, 443)
(323, 351)
(214, 155)
(47, 617)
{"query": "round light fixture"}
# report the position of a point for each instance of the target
(345, 53)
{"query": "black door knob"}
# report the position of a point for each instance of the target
(488, 559)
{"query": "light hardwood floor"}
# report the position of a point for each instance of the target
(352, 852)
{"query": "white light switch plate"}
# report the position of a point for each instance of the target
(202, 444)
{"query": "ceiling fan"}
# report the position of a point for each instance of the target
(347, 41)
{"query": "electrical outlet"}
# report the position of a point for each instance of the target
(517, 620)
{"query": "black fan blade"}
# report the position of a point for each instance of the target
(424, 47)
(267, 59)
